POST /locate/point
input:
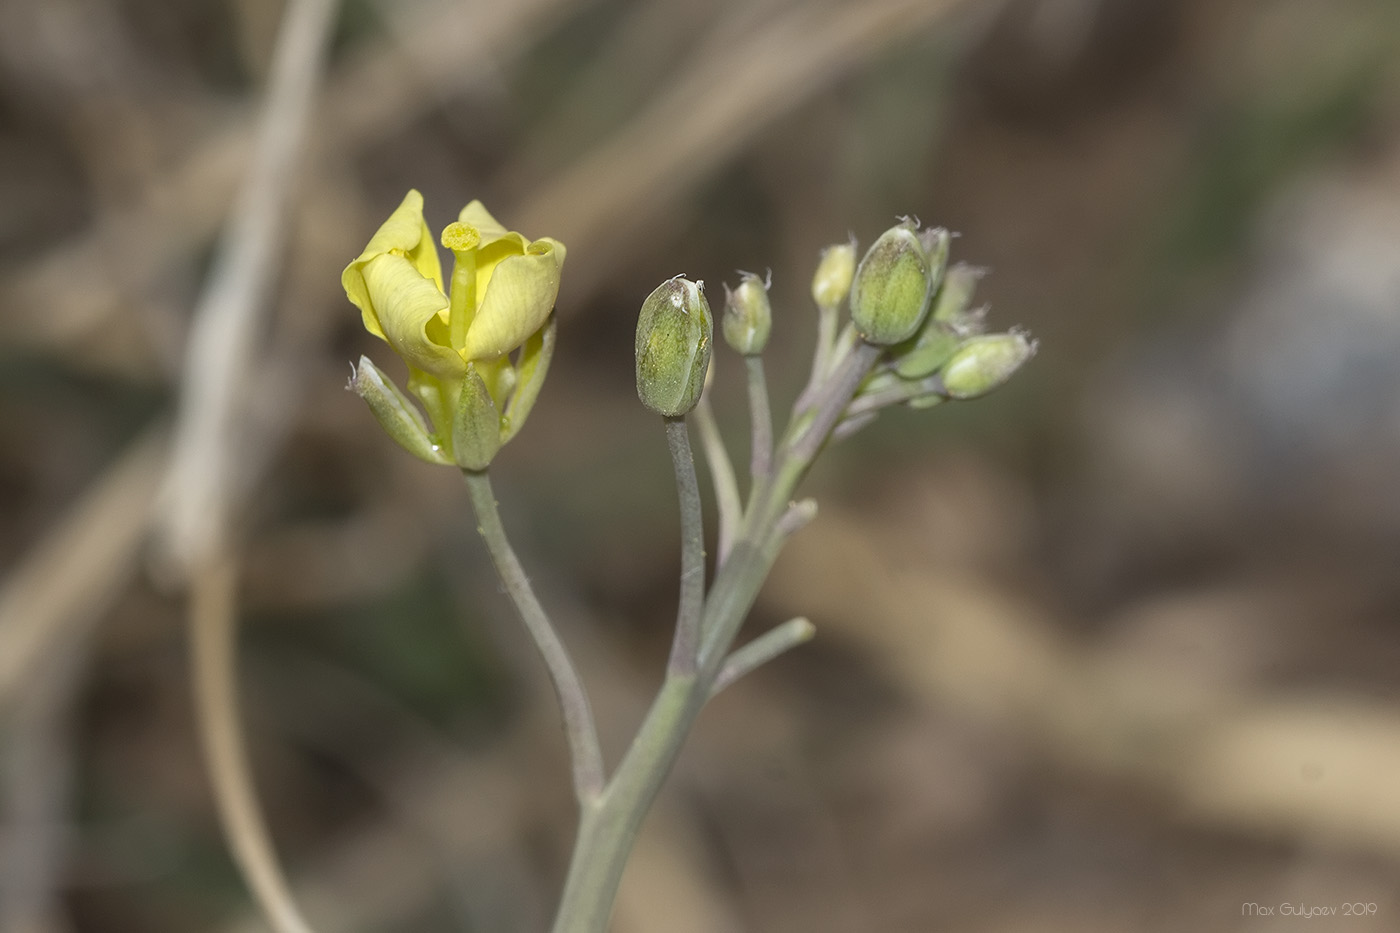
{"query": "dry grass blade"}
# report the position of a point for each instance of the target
(213, 624)
(221, 359)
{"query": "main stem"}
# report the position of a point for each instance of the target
(584, 750)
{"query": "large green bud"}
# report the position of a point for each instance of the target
(674, 331)
(748, 317)
(893, 284)
(984, 363)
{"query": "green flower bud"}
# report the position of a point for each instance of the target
(890, 294)
(948, 323)
(985, 362)
(674, 331)
(396, 414)
(476, 425)
(748, 318)
(922, 355)
(832, 281)
(955, 293)
(936, 242)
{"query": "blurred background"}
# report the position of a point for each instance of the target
(1115, 649)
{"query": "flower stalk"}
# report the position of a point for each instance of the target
(582, 732)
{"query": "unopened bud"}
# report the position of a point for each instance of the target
(748, 317)
(476, 426)
(936, 242)
(924, 354)
(398, 416)
(890, 294)
(832, 281)
(674, 331)
(955, 293)
(985, 362)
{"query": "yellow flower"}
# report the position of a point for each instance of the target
(500, 299)
(503, 288)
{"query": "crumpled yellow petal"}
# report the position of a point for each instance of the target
(476, 215)
(517, 301)
(408, 307)
(406, 232)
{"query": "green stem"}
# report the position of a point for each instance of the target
(721, 475)
(610, 822)
(685, 646)
(573, 700)
(830, 401)
(609, 825)
(826, 337)
(763, 649)
(761, 454)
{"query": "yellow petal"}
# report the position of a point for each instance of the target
(517, 300)
(408, 308)
(406, 232)
(476, 215)
(555, 248)
(491, 256)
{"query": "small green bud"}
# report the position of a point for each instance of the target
(674, 331)
(748, 318)
(955, 293)
(985, 362)
(832, 281)
(936, 241)
(890, 294)
(922, 355)
(476, 426)
(396, 414)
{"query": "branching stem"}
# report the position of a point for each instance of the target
(609, 823)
